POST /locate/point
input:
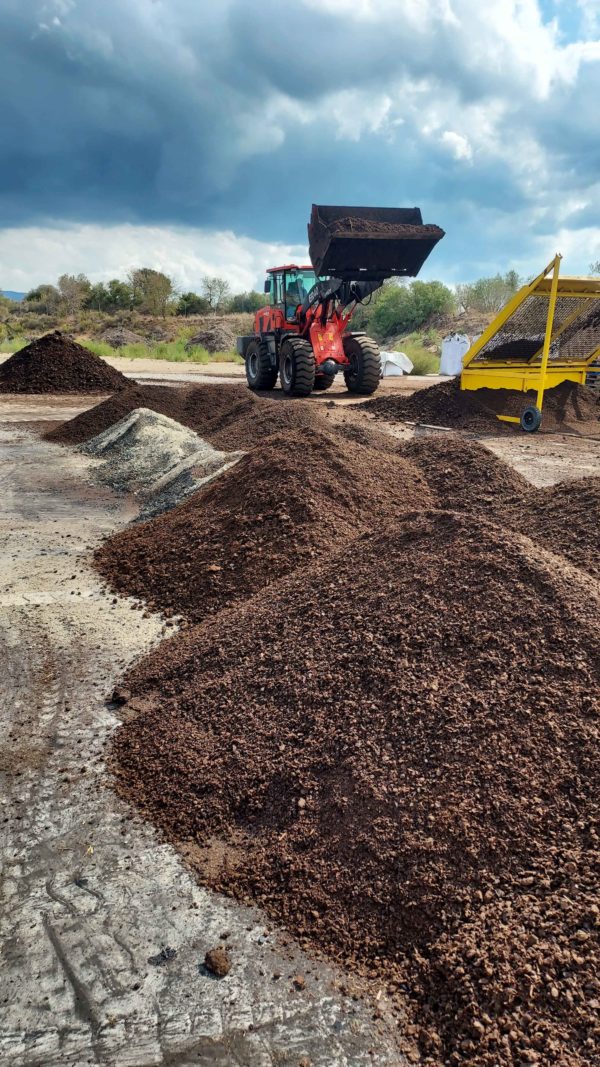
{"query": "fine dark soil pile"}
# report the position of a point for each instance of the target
(440, 405)
(568, 407)
(400, 747)
(516, 348)
(286, 503)
(56, 364)
(372, 227)
(248, 424)
(195, 406)
(466, 476)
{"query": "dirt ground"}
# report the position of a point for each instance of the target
(90, 897)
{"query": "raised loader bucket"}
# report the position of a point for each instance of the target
(369, 242)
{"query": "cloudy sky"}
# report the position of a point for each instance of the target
(193, 136)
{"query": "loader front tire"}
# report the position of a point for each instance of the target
(364, 372)
(259, 372)
(296, 367)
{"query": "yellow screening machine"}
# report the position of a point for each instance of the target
(548, 333)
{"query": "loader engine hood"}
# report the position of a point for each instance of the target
(369, 243)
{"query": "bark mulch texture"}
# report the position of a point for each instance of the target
(568, 407)
(399, 743)
(381, 721)
(196, 407)
(230, 417)
(465, 476)
(564, 518)
(351, 225)
(57, 364)
(290, 500)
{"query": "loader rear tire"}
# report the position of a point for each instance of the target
(364, 372)
(296, 367)
(323, 382)
(259, 372)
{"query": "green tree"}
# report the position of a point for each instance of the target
(97, 298)
(250, 301)
(74, 291)
(192, 304)
(404, 308)
(595, 267)
(46, 300)
(216, 291)
(151, 290)
(488, 294)
(115, 295)
(119, 295)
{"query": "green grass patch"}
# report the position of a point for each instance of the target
(424, 362)
(173, 351)
(14, 345)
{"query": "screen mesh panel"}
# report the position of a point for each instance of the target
(521, 338)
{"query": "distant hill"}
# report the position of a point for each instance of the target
(10, 293)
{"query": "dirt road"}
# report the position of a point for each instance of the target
(90, 897)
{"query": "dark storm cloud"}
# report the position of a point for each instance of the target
(229, 116)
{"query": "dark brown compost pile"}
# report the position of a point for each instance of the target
(56, 364)
(292, 499)
(230, 418)
(196, 406)
(383, 726)
(400, 745)
(568, 407)
(465, 475)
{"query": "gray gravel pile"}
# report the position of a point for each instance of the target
(218, 337)
(155, 458)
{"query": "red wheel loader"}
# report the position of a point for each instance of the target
(301, 336)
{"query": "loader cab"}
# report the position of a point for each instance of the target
(289, 286)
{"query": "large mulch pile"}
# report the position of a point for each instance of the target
(81, 428)
(568, 407)
(247, 425)
(399, 746)
(231, 418)
(465, 476)
(55, 363)
(289, 501)
(383, 725)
